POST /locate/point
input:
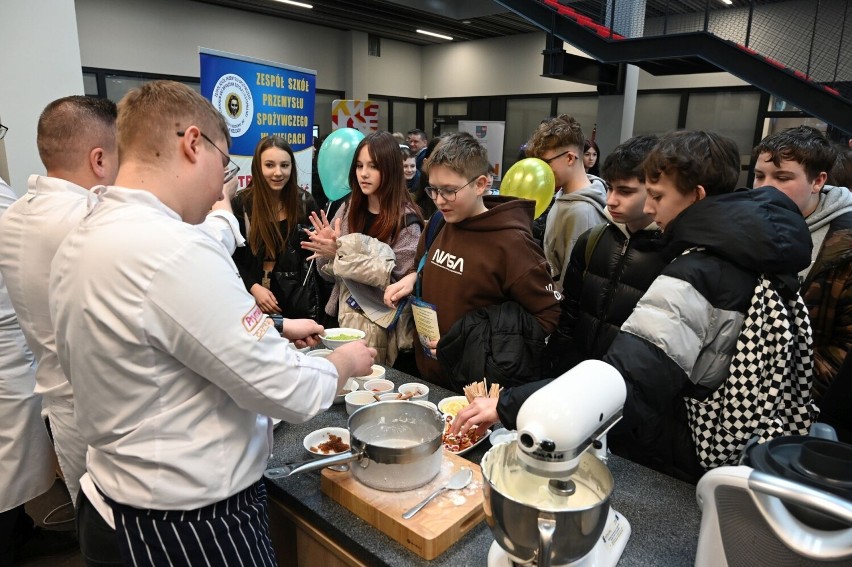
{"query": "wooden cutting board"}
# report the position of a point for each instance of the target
(435, 528)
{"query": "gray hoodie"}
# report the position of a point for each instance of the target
(572, 214)
(833, 202)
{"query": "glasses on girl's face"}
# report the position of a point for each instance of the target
(447, 193)
(3, 130)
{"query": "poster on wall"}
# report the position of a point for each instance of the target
(261, 98)
(363, 115)
(490, 135)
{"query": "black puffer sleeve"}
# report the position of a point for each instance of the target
(655, 388)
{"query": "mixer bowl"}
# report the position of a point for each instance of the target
(519, 507)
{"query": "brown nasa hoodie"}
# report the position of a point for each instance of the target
(486, 260)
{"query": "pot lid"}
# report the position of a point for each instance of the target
(819, 463)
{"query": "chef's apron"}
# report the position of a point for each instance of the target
(26, 455)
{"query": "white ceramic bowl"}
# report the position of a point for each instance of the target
(314, 439)
(421, 391)
(429, 405)
(377, 372)
(320, 352)
(379, 386)
(350, 386)
(452, 405)
(389, 397)
(331, 342)
(358, 399)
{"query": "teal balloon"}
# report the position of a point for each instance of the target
(335, 159)
(532, 179)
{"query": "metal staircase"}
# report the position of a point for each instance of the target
(754, 43)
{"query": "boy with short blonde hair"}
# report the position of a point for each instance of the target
(483, 256)
(174, 366)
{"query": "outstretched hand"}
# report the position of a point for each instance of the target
(323, 238)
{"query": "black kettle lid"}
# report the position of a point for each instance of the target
(820, 463)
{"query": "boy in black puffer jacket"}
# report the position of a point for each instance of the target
(611, 266)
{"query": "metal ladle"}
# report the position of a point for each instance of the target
(456, 482)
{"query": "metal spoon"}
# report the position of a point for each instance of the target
(456, 482)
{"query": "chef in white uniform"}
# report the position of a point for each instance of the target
(172, 362)
(26, 457)
(76, 143)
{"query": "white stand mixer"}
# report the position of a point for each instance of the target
(546, 495)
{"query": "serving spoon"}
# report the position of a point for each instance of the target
(456, 482)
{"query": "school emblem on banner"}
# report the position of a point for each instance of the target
(481, 131)
(232, 98)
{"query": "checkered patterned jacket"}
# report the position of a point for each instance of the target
(679, 340)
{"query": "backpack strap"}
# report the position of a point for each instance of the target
(410, 219)
(436, 222)
(594, 237)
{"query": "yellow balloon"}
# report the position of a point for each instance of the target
(532, 179)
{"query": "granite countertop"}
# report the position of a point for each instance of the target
(662, 511)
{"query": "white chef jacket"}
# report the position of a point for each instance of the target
(170, 357)
(26, 455)
(31, 231)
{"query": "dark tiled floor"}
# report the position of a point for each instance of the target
(52, 510)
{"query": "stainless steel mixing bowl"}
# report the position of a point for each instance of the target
(530, 522)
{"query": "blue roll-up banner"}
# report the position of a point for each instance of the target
(261, 98)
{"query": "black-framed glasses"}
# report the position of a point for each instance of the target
(557, 156)
(449, 195)
(3, 130)
(231, 168)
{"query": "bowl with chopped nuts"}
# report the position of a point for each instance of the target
(327, 441)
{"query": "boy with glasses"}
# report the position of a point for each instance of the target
(483, 256)
(581, 199)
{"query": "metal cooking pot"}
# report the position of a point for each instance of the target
(531, 523)
(394, 446)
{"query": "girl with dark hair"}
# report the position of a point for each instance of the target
(591, 157)
(369, 244)
(271, 212)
